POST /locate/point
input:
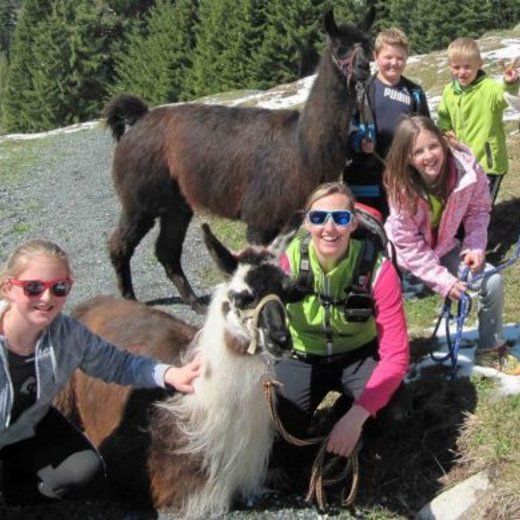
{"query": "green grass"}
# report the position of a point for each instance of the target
(17, 157)
(490, 441)
(231, 233)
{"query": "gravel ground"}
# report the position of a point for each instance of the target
(66, 196)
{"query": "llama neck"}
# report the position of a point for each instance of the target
(324, 124)
(229, 420)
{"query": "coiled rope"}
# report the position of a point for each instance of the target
(320, 469)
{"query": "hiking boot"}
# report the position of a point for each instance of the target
(500, 359)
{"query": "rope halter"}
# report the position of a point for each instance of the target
(346, 64)
(250, 318)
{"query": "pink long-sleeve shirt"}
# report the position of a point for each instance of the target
(469, 203)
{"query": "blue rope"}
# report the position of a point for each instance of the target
(463, 310)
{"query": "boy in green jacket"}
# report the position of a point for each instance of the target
(472, 108)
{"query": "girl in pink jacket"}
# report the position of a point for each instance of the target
(432, 189)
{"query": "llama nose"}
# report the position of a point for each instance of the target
(281, 338)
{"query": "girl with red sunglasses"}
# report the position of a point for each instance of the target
(43, 456)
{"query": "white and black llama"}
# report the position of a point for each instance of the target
(195, 453)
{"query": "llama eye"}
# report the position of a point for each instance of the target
(242, 299)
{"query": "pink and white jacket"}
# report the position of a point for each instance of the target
(469, 203)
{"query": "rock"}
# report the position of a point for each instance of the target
(456, 501)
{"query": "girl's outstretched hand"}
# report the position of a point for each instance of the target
(181, 378)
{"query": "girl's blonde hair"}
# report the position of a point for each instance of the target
(330, 188)
(402, 181)
(23, 254)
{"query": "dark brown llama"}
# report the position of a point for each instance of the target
(195, 453)
(251, 164)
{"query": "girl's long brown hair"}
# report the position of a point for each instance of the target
(403, 183)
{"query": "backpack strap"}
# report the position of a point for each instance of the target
(365, 267)
(305, 274)
(359, 304)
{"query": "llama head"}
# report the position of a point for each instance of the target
(253, 304)
(350, 47)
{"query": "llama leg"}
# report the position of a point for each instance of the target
(131, 229)
(173, 227)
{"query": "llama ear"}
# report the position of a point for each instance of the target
(284, 237)
(221, 255)
(330, 24)
(368, 20)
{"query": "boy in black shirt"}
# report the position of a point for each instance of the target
(388, 96)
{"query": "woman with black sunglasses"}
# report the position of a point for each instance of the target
(359, 350)
(43, 455)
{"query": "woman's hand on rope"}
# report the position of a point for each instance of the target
(347, 431)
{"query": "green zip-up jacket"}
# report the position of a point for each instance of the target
(309, 318)
(475, 115)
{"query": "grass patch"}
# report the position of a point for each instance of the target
(19, 156)
(489, 441)
(231, 233)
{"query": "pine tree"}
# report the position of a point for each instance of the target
(155, 62)
(294, 29)
(61, 64)
(20, 104)
(244, 35)
(7, 24)
(4, 68)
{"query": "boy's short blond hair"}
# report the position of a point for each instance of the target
(392, 36)
(464, 49)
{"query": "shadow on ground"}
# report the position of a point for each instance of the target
(504, 230)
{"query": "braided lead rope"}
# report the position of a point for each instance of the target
(250, 318)
(317, 482)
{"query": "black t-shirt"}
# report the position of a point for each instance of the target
(23, 376)
(390, 104)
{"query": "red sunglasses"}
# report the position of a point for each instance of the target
(33, 288)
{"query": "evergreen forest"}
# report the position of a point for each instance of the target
(61, 60)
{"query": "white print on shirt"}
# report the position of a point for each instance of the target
(396, 95)
(29, 386)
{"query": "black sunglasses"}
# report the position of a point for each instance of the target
(33, 288)
(341, 217)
